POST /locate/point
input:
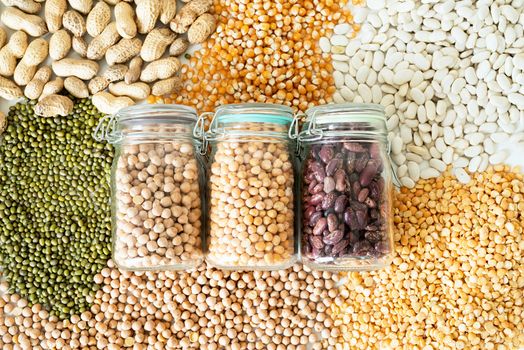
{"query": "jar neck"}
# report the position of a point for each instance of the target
(249, 131)
(147, 122)
(356, 134)
(365, 121)
(149, 133)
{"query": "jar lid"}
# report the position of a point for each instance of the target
(347, 118)
(157, 114)
(346, 113)
(254, 113)
(139, 118)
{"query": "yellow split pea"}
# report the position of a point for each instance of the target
(457, 281)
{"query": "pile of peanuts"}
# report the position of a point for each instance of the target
(251, 204)
(204, 309)
(158, 220)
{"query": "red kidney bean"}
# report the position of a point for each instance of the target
(332, 222)
(373, 236)
(340, 180)
(312, 185)
(350, 162)
(316, 242)
(317, 189)
(332, 166)
(345, 203)
(318, 172)
(368, 173)
(329, 200)
(354, 147)
(355, 186)
(329, 184)
(326, 153)
(309, 212)
(314, 218)
(350, 218)
(340, 203)
(361, 248)
(363, 195)
(361, 162)
(374, 151)
(340, 247)
(320, 226)
(316, 198)
(362, 219)
(333, 237)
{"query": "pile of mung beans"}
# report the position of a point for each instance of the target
(54, 189)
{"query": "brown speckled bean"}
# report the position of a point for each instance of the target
(346, 202)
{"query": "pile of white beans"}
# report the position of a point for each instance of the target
(450, 75)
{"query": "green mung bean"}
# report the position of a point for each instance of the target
(54, 206)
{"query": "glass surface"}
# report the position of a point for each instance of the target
(157, 177)
(346, 207)
(251, 189)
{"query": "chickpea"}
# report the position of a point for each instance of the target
(245, 233)
(158, 174)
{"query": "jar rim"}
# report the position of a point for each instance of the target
(158, 113)
(254, 113)
(345, 113)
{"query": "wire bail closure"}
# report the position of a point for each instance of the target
(199, 132)
(107, 132)
(294, 132)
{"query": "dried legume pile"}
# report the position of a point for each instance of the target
(450, 75)
(203, 309)
(457, 281)
(264, 51)
(54, 206)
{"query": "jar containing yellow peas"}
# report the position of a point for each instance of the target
(251, 188)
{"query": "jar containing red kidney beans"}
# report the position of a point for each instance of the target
(347, 188)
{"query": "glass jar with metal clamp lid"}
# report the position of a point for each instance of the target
(251, 188)
(347, 219)
(156, 181)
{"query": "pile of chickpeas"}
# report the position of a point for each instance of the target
(204, 309)
(251, 204)
(158, 206)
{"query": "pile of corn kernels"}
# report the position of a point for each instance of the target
(264, 51)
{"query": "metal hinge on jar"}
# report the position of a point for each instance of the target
(199, 132)
(311, 134)
(105, 130)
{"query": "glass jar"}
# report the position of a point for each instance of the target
(156, 182)
(251, 188)
(347, 219)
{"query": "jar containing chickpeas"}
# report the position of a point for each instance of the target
(251, 188)
(156, 183)
(347, 188)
